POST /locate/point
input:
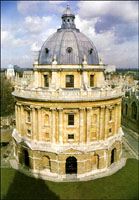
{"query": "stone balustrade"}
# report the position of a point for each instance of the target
(63, 94)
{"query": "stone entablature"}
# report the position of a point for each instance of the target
(56, 148)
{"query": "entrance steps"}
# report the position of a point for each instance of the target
(71, 177)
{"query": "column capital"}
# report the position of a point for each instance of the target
(81, 109)
(102, 106)
(53, 109)
(18, 104)
(59, 109)
(117, 104)
(89, 108)
(38, 107)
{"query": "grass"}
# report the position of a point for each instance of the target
(5, 136)
(122, 185)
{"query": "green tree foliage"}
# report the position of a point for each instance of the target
(7, 100)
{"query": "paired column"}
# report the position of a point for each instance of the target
(81, 125)
(19, 118)
(106, 123)
(39, 122)
(60, 125)
(22, 121)
(119, 116)
(115, 123)
(33, 123)
(88, 123)
(53, 125)
(101, 123)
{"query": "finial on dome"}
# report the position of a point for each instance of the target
(68, 5)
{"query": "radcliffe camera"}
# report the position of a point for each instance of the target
(70, 106)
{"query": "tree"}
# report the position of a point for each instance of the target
(7, 100)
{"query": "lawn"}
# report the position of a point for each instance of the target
(122, 185)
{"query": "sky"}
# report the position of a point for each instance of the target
(111, 25)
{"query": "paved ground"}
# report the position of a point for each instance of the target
(132, 140)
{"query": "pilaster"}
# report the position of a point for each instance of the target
(53, 125)
(60, 125)
(81, 124)
(101, 123)
(88, 124)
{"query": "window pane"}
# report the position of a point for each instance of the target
(28, 116)
(71, 136)
(46, 81)
(91, 80)
(70, 119)
(69, 81)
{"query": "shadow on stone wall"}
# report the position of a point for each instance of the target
(24, 187)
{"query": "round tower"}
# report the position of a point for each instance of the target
(69, 121)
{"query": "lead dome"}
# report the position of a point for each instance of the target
(68, 45)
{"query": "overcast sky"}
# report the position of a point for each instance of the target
(111, 25)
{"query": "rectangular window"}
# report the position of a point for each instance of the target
(109, 130)
(110, 115)
(46, 81)
(91, 80)
(28, 132)
(70, 136)
(69, 81)
(28, 116)
(70, 119)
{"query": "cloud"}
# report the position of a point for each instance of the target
(36, 24)
(119, 54)
(35, 7)
(26, 7)
(121, 17)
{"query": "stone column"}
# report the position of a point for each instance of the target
(88, 120)
(81, 125)
(119, 116)
(22, 121)
(115, 120)
(16, 114)
(39, 123)
(19, 120)
(33, 123)
(60, 125)
(106, 122)
(53, 127)
(101, 123)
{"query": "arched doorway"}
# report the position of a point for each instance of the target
(26, 158)
(113, 155)
(71, 165)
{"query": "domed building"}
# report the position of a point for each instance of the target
(69, 121)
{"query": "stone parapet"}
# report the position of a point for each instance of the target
(67, 94)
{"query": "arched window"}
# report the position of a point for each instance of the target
(134, 110)
(113, 155)
(96, 159)
(46, 121)
(46, 162)
(126, 109)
